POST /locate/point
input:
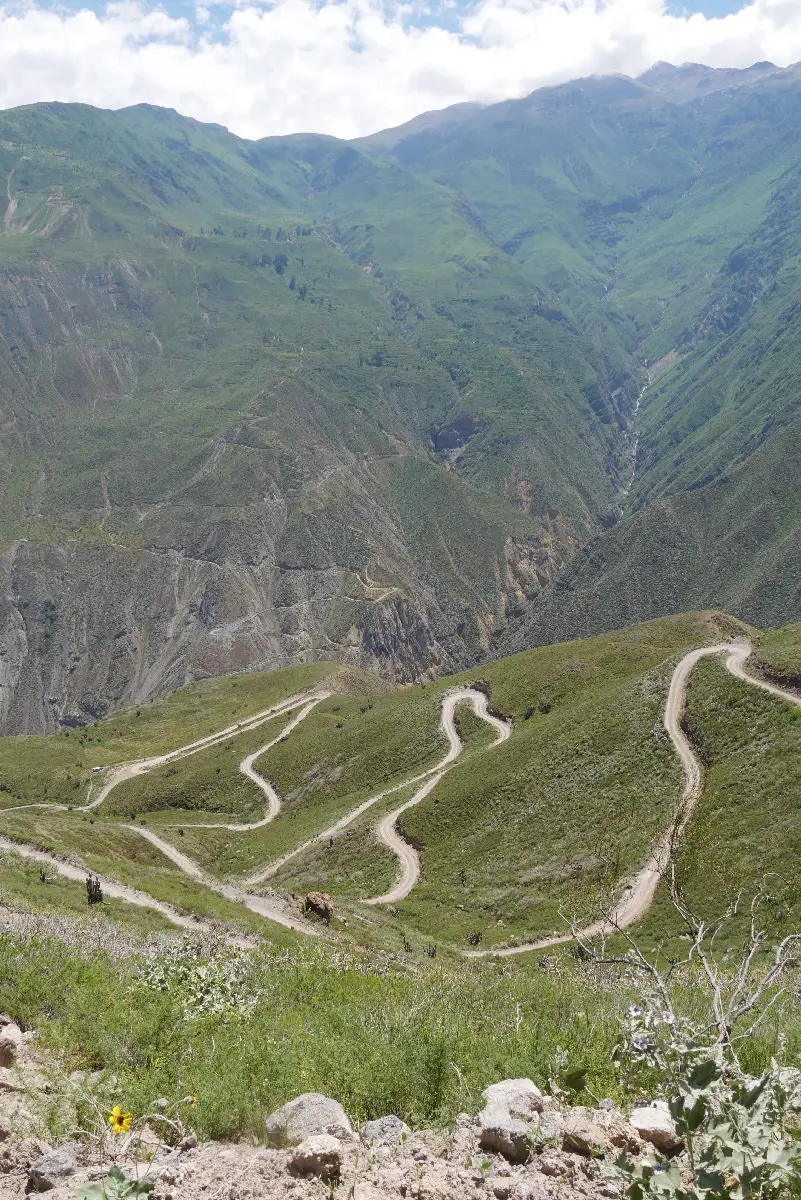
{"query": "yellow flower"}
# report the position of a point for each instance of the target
(119, 1121)
(190, 1100)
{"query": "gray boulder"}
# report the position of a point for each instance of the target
(654, 1124)
(49, 1171)
(319, 1155)
(501, 1133)
(307, 1116)
(509, 1121)
(385, 1131)
(520, 1097)
(552, 1127)
(594, 1133)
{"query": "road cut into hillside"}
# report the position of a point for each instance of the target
(121, 772)
(142, 766)
(273, 908)
(407, 854)
(117, 891)
(639, 893)
(634, 902)
(387, 828)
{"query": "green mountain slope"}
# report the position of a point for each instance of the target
(272, 402)
(229, 428)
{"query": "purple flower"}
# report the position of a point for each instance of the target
(640, 1042)
(635, 1010)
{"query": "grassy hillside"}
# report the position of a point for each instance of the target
(734, 542)
(59, 768)
(745, 833)
(511, 841)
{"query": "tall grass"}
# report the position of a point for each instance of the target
(379, 1036)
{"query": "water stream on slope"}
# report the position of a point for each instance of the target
(635, 440)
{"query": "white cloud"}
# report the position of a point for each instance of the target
(350, 67)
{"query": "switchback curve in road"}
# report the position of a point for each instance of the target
(386, 830)
(637, 897)
(142, 766)
(448, 726)
(121, 772)
(247, 769)
(270, 908)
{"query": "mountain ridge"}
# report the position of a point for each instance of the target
(301, 398)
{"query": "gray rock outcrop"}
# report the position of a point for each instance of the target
(509, 1121)
(50, 1171)
(385, 1131)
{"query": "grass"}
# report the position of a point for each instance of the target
(574, 797)
(514, 837)
(380, 1040)
(779, 654)
(357, 865)
(58, 768)
(22, 891)
(378, 1034)
(746, 830)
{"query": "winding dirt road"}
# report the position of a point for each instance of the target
(110, 888)
(141, 766)
(639, 894)
(460, 695)
(272, 908)
(634, 902)
(387, 832)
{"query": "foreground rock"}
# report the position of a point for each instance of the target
(654, 1124)
(386, 1131)
(12, 1044)
(595, 1133)
(322, 1155)
(49, 1171)
(521, 1146)
(509, 1121)
(307, 1116)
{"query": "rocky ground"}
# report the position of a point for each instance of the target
(520, 1146)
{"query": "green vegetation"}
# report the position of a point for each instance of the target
(58, 769)
(746, 830)
(384, 1013)
(367, 400)
(24, 892)
(378, 1035)
(511, 839)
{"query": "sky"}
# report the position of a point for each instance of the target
(351, 67)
